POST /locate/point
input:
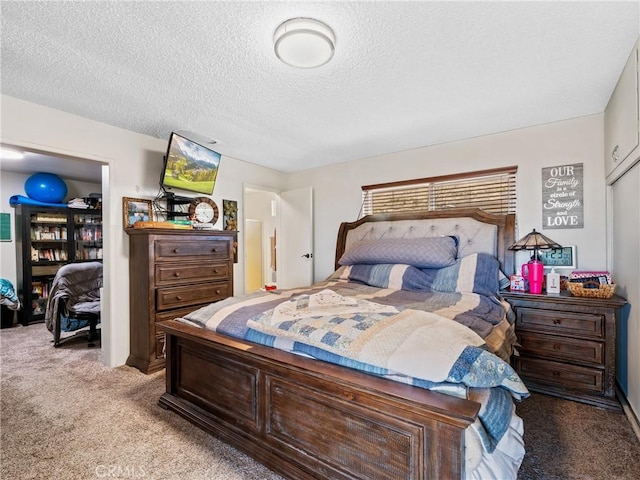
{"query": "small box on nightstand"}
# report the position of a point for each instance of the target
(518, 283)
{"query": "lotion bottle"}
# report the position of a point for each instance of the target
(553, 282)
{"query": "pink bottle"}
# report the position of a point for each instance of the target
(534, 273)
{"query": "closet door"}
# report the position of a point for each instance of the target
(626, 273)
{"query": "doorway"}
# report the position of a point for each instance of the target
(83, 177)
(287, 235)
(260, 227)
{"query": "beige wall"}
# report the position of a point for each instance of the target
(134, 163)
(133, 169)
(337, 190)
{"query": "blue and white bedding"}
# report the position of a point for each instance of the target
(442, 329)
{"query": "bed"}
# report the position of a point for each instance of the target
(333, 406)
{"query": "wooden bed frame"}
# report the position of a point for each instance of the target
(307, 419)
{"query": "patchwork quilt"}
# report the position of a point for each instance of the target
(389, 320)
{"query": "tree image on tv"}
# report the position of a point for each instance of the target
(191, 166)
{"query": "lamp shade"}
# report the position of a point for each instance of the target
(534, 241)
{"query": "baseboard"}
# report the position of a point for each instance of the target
(633, 419)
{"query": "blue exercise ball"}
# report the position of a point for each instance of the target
(45, 187)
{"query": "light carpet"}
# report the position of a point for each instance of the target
(64, 415)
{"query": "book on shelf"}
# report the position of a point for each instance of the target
(50, 217)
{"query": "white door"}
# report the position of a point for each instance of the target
(295, 238)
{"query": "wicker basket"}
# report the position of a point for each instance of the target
(603, 291)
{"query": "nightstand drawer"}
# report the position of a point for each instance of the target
(565, 323)
(546, 372)
(561, 348)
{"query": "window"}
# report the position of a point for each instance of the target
(493, 191)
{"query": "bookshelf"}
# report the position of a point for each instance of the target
(46, 239)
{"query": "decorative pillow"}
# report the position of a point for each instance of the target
(432, 252)
(400, 277)
(475, 273)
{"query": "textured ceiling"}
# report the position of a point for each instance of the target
(404, 74)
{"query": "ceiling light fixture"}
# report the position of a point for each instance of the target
(304, 43)
(10, 154)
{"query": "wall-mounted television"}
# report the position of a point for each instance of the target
(189, 166)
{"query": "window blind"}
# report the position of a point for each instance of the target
(493, 191)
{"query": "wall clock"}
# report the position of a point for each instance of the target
(203, 210)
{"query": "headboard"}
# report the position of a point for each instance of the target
(476, 230)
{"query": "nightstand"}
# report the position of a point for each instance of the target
(567, 345)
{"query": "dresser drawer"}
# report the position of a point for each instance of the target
(564, 323)
(178, 312)
(547, 372)
(161, 317)
(172, 274)
(561, 348)
(173, 297)
(166, 250)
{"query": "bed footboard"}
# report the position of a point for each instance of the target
(307, 419)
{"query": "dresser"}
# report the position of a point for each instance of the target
(172, 273)
(567, 345)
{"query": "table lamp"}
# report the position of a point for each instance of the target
(533, 271)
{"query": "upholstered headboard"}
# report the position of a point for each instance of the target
(476, 230)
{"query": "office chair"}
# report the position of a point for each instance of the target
(74, 301)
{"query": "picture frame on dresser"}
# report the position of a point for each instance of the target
(135, 210)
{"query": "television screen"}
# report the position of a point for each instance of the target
(189, 166)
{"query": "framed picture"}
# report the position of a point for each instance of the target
(230, 214)
(564, 257)
(136, 210)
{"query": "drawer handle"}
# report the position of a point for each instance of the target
(176, 250)
(215, 270)
(615, 154)
(556, 373)
(176, 274)
(178, 297)
(557, 321)
(557, 347)
(214, 250)
(217, 291)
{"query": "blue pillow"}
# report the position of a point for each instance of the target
(475, 273)
(7, 290)
(431, 252)
(395, 276)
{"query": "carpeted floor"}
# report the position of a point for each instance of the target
(66, 416)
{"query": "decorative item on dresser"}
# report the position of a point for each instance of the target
(534, 268)
(567, 345)
(171, 273)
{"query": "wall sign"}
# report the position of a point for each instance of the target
(562, 196)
